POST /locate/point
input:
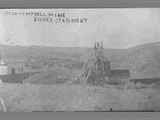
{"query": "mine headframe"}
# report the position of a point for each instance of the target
(97, 69)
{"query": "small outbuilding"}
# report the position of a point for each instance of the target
(3, 68)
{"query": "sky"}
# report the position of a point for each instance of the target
(116, 27)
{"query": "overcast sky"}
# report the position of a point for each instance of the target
(117, 28)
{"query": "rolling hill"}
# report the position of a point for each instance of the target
(143, 61)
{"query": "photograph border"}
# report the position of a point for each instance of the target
(9, 4)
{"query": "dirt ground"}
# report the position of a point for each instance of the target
(64, 97)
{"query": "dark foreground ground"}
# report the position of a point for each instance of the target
(66, 97)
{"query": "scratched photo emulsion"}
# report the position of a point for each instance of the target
(80, 59)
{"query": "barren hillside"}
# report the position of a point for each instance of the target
(143, 61)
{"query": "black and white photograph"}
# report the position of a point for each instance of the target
(96, 59)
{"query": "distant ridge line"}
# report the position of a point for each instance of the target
(49, 46)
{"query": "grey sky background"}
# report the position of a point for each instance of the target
(116, 27)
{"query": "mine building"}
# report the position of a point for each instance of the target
(3, 68)
(13, 72)
(97, 70)
(119, 74)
